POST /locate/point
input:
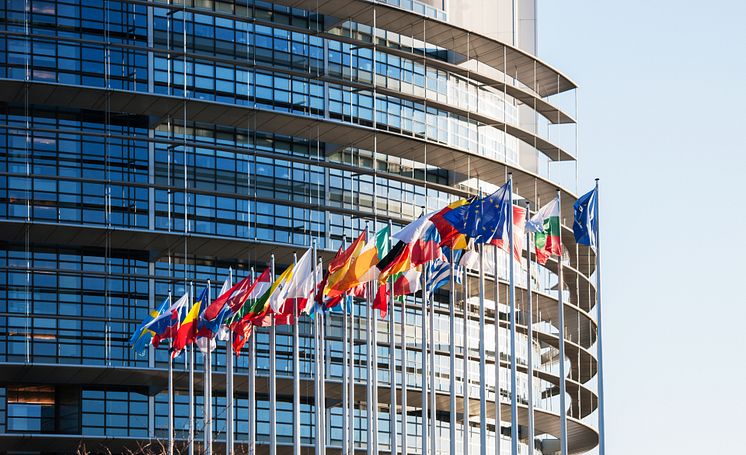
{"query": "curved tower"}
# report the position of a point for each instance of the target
(151, 145)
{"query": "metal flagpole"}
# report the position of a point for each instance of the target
(272, 375)
(530, 336)
(511, 300)
(392, 360)
(368, 376)
(345, 371)
(466, 363)
(423, 374)
(252, 384)
(404, 402)
(482, 366)
(322, 367)
(561, 310)
(452, 353)
(599, 344)
(207, 386)
(296, 374)
(229, 408)
(351, 397)
(190, 350)
(317, 380)
(170, 392)
(433, 408)
(498, 392)
(374, 365)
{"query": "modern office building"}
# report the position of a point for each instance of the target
(150, 144)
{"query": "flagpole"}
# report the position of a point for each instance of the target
(272, 375)
(498, 391)
(322, 364)
(190, 349)
(511, 300)
(466, 364)
(368, 392)
(561, 310)
(433, 408)
(170, 391)
(392, 360)
(482, 366)
(530, 336)
(229, 407)
(404, 402)
(207, 385)
(351, 397)
(423, 374)
(252, 382)
(296, 373)
(599, 344)
(452, 353)
(317, 381)
(374, 365)
(345, 368)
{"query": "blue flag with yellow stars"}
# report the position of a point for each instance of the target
(483, 219)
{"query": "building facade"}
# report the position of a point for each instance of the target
(150, 145)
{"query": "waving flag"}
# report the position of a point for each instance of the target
(187, 332)
(449, 236)
(545, 225)
(519, 223)
(208, 329)
(338, 281)
(141, 337)
(408, 282)
(167, 323)
(482, 219)
(585, 222)
(299, 287)
(251, 307)
(381, 301)
(362, 268)
(397, 260)
(233, 298)
(427, 246)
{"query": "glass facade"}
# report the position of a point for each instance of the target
(105, 210)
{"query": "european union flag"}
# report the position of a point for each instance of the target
(483, 219)
(585, 225)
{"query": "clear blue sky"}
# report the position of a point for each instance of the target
(662, 110)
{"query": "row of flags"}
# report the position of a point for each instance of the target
(426, 245)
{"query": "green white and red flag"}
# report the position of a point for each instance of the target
(545, 225)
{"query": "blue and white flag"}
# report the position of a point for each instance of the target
(440, 274)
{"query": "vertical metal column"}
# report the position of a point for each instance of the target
(392, 360)
(466, 364)
(452, 353)
(252, 384)
(423, 353)
(170, 391)
(346, 440)
(190, 353)
(498, 391)
(296, 372)
(272, 376)
(404, 401)
(599, 343)
(229, 407)
(511, 300)
(530, 336)
(207, 388)
(561, 310)
(482, 366)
